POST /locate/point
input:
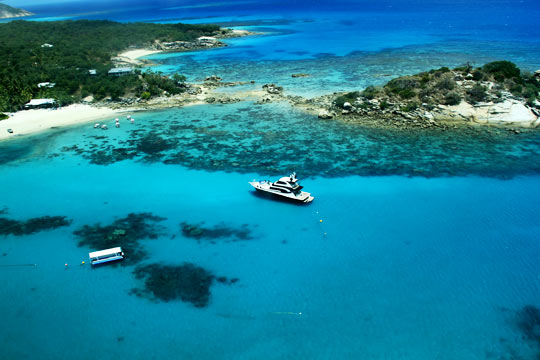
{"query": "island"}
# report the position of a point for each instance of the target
(496, 93)
(7, 12)
(93, 70)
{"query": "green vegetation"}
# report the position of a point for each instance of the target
(502, 70)
(476, 94)
(370, 92)
(78, 46)
(347, 97)
(491, 82)
(410, 107)
(452, 98)
(3, 116)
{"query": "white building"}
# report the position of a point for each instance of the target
(46, 84)
(40, 103)
(120, 71)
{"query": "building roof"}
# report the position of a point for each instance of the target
(120, 70)
(92, 71)
(46, 84)
(37, 102)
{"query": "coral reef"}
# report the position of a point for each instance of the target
(244, 139)
(125, 232)
(199, 232)
(528, 321)
(186, 282)
(30, 226)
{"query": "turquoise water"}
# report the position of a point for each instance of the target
(419, 244)
(409, 268)
(399, 267)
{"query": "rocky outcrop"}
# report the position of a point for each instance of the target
(203, 42)
(324, 114)
(212, 78)
(494, 94)
(7, 12)
(272, 89)
(508, 112)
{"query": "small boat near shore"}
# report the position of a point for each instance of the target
(286, 187)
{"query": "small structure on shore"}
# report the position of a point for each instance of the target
(46, 85)
(120, 71)
(40, 104)
(207, 41)
(92, 72)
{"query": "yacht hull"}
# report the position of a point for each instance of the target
(304, 197)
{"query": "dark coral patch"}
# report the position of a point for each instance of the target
(528, 321)
(110, 155)
(125, 232)
(186, 282)
(199, 232)
(152, 144)
(33, 225)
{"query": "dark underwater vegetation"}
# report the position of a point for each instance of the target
(125, 232)
(186, 282)
(31, 226)
(528, 322)
(249, 138)
(220, 231)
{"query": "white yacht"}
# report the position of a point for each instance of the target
(286, 187)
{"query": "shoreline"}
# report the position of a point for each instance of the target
(511, 113)
(132, 56)
(29, 122)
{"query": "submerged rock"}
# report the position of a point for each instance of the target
(30, 226)
(125, 232)
(272, 89)
(528, 321)
(186, 282)
(197, 231)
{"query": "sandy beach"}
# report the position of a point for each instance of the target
(32, 121)
(131, 57)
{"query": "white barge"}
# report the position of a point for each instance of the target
(104, 256)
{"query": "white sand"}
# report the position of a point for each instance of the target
(33, 121)
(137, 53)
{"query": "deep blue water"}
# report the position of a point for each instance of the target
(436, 266)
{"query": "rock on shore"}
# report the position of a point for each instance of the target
(496, 93)
(7, 12)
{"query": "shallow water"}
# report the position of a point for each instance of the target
(273, 138)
